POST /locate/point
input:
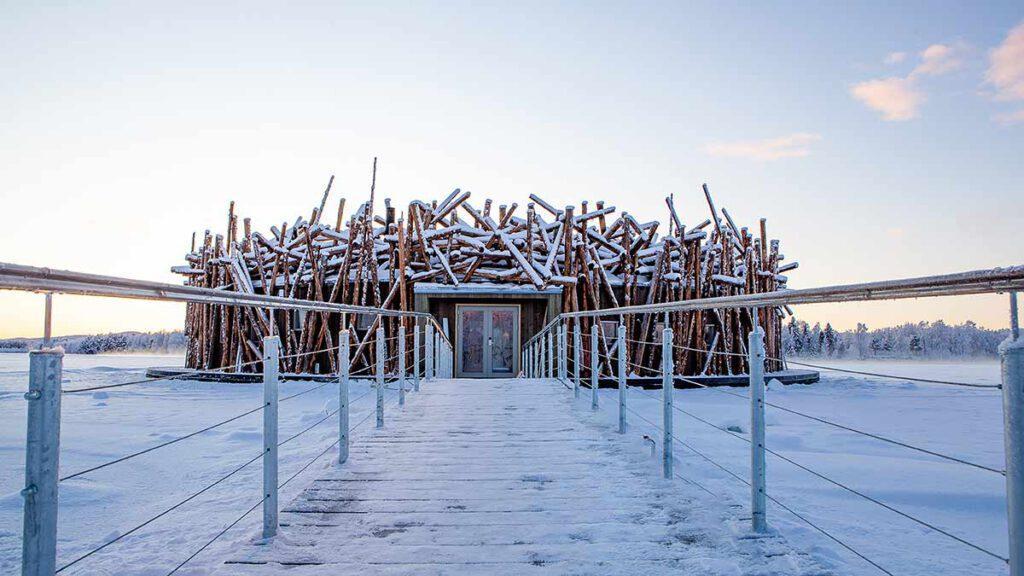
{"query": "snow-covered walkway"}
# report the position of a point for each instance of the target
(507, 477)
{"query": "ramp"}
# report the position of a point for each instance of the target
(504, 477)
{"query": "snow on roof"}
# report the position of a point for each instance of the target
(483, 288)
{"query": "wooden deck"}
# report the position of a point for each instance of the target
(503, 477)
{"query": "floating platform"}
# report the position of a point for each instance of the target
(784, 376)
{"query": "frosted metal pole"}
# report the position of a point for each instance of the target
(667, 391)
(428, 360)
(446, 358)
(561, 352)
(448, 364)
(621, 347)
(343, 367)
(552, 359)
(271, 360)
(48, 321)
(1014, 324)
(401, 365)
(534, 360)
(576, 371)
(380, 377)
(437, 356)
(758, 498)
(416, 358)
(540, 355)
(594, 371)
(1011, 358)
(527, 362)
(42, 454)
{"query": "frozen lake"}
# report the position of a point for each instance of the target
(98, 427)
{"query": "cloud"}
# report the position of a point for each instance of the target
(896, 98)
(895, 58)
(1006, 66)
(939, 59)
(795, 145)
(899, 98)
(1008, 118)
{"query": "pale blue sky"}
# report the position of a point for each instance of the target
(128, 126)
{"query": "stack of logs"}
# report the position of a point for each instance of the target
(599, 259)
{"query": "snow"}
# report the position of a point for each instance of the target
(455, 484)
(963, 422)
(100, 426)
(483, 288)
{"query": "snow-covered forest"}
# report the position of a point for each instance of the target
(115, 342)
(925, 340)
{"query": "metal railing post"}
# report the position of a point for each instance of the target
(667, 392)
(1011, 359)
(343, 368)
(380, 377)
(416, 358)
(562, 353)
(621, 347)
(576, 343)
(271, 362)
(48, 321)
(401, 365)
(595, 375)
(758, 502)
(42, 454)
(536, 358)
(540, 356)
(428, 356)
(448, 364)
(436, 360)
(552, 356)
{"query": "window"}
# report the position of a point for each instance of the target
(365, 321)
(610, 329)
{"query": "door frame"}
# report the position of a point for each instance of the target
(516, 344)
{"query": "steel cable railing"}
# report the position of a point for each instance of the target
(217, 537)
(848, 428)
(182, 376)
(234, 523)
(746, 482)
(844, 486)
(595, 362)
(208, 487)
(433, 354)
(879, 437)
(167, 511)
(895, 376)
(162, 444)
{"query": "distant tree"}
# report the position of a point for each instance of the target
(910, 340)
(830, 338)
(916, 347)
(862, 343)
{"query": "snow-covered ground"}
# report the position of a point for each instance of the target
(97, 427)
(100, 426)
(962, 422)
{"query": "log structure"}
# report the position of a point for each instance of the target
(597, 256)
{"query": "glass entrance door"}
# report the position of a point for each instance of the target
(488, 345)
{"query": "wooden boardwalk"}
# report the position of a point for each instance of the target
(503, 477)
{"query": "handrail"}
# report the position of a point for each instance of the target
(35, 279)
(985, 281)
